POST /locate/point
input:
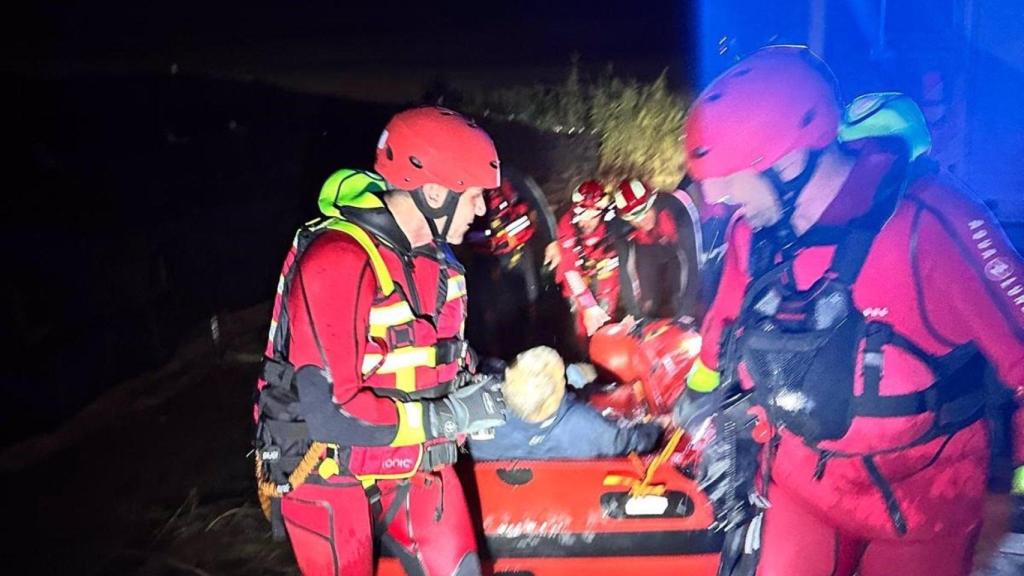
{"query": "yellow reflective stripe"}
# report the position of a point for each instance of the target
(391, 315)
(384, 281)
(456, 287)
(1017, 487)
(405, 379)
(410, 425)
(410, 356)
(701, 378)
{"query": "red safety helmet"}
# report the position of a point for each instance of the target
(589, 196)
(775, 101)
(434, 145)
(633, 198)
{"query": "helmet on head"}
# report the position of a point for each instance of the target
(633, 198)
(775, 101)
(589, 196)
(887, 114)
(433, 145)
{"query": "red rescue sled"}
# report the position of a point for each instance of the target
(610, 516)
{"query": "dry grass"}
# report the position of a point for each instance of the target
(221, 537)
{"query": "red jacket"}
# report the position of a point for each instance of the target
(942, 273)
(589, 268)
(379, 352)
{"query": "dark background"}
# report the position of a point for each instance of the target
(160, 155)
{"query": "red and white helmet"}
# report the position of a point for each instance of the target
(777, 100)
(633, 198)
(434, 145)
(589, 196)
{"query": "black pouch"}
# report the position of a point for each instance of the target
(801, 350)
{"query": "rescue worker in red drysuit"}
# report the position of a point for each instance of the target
(374, 313)
(876, 464)
(588, 265)
(659, 253)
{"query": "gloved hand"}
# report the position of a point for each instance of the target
(473, 408)
(580, 374)
(728, 464)
(552, 256)
(694, 408)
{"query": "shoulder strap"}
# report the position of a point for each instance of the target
(380, 270)
(303, 238)
(851, 253)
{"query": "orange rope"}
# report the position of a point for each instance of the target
(267, 489)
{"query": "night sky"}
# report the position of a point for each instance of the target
(353, 47)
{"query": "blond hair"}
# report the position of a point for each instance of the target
(535, 384)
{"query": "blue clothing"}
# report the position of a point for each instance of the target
(576, 431)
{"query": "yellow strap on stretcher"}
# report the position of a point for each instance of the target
(644, 486)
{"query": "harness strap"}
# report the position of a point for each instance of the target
(439, 391)
(892, 505)
(954, 405)
(851, 253)
(381, 518)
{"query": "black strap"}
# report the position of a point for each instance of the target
(954, 404)
(280, 339)
(450, 350)
(850, 254)
(899, 521)
(877, 335)
(442, 277)
(278, 530)
(382, 519)
(440, 391)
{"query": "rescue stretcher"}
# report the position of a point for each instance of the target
(610, 516)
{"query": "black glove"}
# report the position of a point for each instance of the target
(475, 407)
(693, 408)
(729, 464)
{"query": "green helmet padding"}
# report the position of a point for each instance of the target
(889, 114)
(347, 187)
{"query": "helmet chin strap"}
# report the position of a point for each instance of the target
(787, 193)
(446, 211)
